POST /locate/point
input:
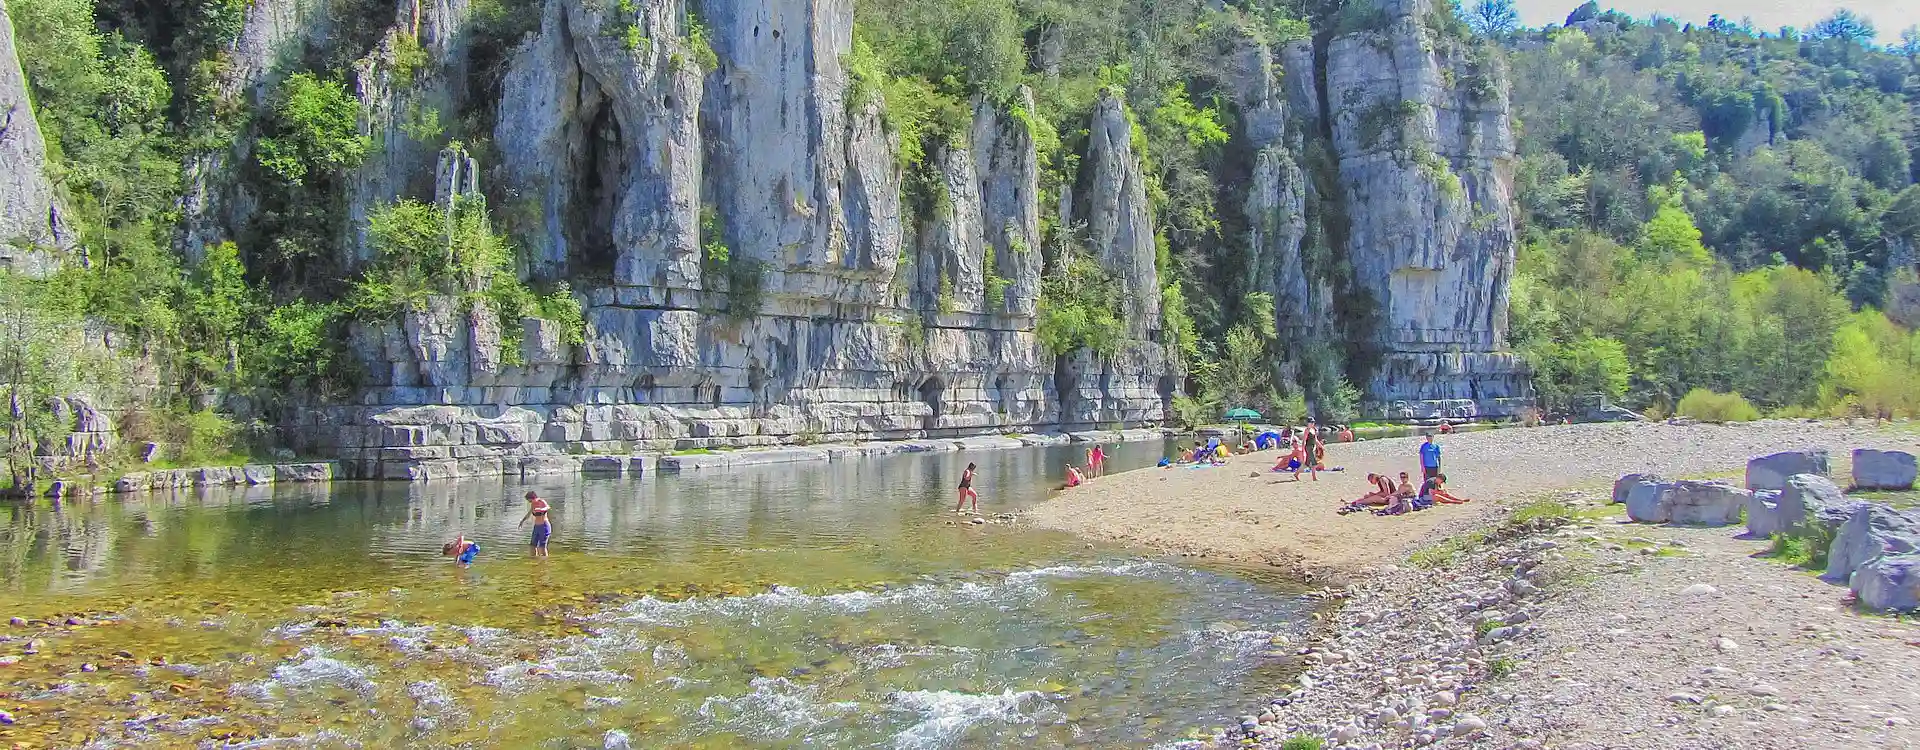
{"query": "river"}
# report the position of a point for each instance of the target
(826, 605)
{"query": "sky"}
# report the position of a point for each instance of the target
(1889, 16)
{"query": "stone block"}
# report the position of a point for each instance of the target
(132, 481)
(1883, 470)
(1689, 502)
(303, 472)
(1812, 505)
(1890, 583)
(1625, 485)
(1763, 514)
(531, 466)
(500, 433)
(604, 466)
(1771, 472)
(1872, 530)
(257, 474)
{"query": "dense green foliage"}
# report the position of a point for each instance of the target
(1704, 207)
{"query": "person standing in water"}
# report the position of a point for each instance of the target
(1096, 462)
(966, 491)
(537, 511)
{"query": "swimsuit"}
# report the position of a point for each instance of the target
(466, 557)
(541, 529)
(966, 481)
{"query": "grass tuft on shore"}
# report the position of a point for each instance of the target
(1303, 742)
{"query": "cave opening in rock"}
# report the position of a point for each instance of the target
(1165, 388)
(932, 390)
(1002, 400)
(589, 221)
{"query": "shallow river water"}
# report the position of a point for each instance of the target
(832, 605)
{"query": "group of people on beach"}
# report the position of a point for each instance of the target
(1392, 498)
(539, 511)
(1096, 466)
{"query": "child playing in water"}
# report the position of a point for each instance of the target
(1074, 478)
(537, 510)
(966, 491)
(1096, 461)
(462, 549)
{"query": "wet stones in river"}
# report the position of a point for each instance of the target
(1771, 472)
(1883, 470)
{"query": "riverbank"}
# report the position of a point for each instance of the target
(1245, 513)
(1540, 616)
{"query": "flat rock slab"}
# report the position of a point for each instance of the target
(1873, 530)
(1687, 501)
(729, 459)
(1883, 470)
(1770, 472)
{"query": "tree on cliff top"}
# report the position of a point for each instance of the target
(1493, 18)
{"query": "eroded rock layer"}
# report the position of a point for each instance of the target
(837, 314)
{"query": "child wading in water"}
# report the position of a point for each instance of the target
(1096, 462)
(461, 549)
(1074, 477)
(537, 510)
(966, 491)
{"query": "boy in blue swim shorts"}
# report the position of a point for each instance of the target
(461, 549)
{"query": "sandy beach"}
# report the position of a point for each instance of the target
(1243, 512)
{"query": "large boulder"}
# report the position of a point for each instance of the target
(1883, 470)
(1872, 530)
(1812, 505)
(1771, 472)
(1687, 502)
(1889, 583)
(1626, 485)
(1763, 514)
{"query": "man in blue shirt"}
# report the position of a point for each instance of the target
(1429, 459)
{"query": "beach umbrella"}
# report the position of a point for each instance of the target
(1242, 415)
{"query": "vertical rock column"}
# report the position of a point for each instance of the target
(1426, 166)
(1008, 171)
(30, 222)
(1119, 222)
(1131, 385)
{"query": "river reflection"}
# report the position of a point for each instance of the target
(836, 604)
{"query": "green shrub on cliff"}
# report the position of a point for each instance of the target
(313, 127)
(1079, 308)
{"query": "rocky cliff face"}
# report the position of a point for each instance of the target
(30, 223)
(1412, 129)
(836, 313)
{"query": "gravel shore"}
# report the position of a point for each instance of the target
(1245, 513)
(1561, 626)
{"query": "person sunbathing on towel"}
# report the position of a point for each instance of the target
(1383, 491)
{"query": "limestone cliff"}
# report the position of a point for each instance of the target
(733, 220)
(1411, 131)
(30, 223)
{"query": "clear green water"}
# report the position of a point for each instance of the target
(835, 605)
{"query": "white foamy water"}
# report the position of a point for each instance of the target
(775, 707)
(945, 716)
(1016, 587)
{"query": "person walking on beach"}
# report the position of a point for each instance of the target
(538, 511)
(1310, 441)
(966, 491)
(1429, 459)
